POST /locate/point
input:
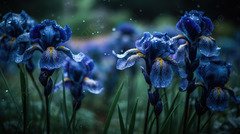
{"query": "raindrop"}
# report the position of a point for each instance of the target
(6, 90)
(114, 29)
(83, 21)
(92, 33)
(130, 19)
(97, 32)
(9, 22)
(105, 53)
(121, 51)
(198, 6)
(140, 10)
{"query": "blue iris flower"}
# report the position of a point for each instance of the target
(155, 50)
(197, 30)
(214, 75)
(49, 37)
(14, 32)
(77, 79)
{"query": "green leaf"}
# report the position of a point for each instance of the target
(191, 119)
(112, 108)
(132, 121)
(121, 121)
(64, 100)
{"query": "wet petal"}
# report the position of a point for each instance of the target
(130, 51)
(78, 57)
(189, 27)
(51, 59)
(183, 85)
(217, 100)
(92, 86)
(27, 54)
(146, 76)
(59, 85)
(161, 74)
(231, 93)
(175, 67)
(128, 62)
(207, 46)
(180, 54)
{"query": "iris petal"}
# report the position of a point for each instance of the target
(161, 74)
(180, 54)
(189, 27)
(128, 62)
(92, 86)
(130, 51)
(175, 67)
(207, 26)
(51, 59)
(78, 57)
(207, 46)
(217, 100)
(27, 54)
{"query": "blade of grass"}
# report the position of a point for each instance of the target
(113, 106)
(167, 118)
(121, 121)
(132, 121)
(191, 119)
(150, 129)
(9, 91)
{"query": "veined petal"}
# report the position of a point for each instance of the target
(92, 86)
(130, 51)
(128, 62)
(207, 46)
(217, 100)
(175, 67)
(180, 53)
(59, 85)
(51, 59)
(161, 74)
(27, 54)
(78, 57)
(207, 26)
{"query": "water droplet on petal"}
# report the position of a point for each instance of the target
(114, 29)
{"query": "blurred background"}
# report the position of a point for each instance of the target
(97, 29)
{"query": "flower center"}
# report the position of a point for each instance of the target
(51, 49)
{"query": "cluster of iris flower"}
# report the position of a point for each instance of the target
(199, 54)
(21, 36)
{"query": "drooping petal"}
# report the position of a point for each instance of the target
(128, 62)
(217, 100)
(27, 54)
(158, 108)
(175, 67)
(161, 74)
(180, 53)
(130, 51)
(189, 27)
(183, 85)
(78, 57)
(207, 46)
(51, 59)
(231, 93)
(22, 43)
(143, 44)
(92, 86)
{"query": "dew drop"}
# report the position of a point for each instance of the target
(130, 19)
(105, 53)
(198, 6)
(114, 29)
(121, 51)
(83, 21)
(6, 90)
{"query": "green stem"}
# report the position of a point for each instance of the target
(64, 100)
(157, 125)
(71, 120)
(199, 123)
(186, 113)
(146, 118)
(150, 129)
(47, 115)
(23, 79)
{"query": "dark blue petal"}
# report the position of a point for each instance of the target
(143, 44)
(207, 46)
(128, 62)
(146, 76)
(217, 100)
(180, 54)
(189, 27)
(161, 74)
(68, 32)
(231, 93)
(92, 86)
(158, 108)
(23, 42)
(207, 26)
(51, 59)
(48, 88)
(175, 67)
